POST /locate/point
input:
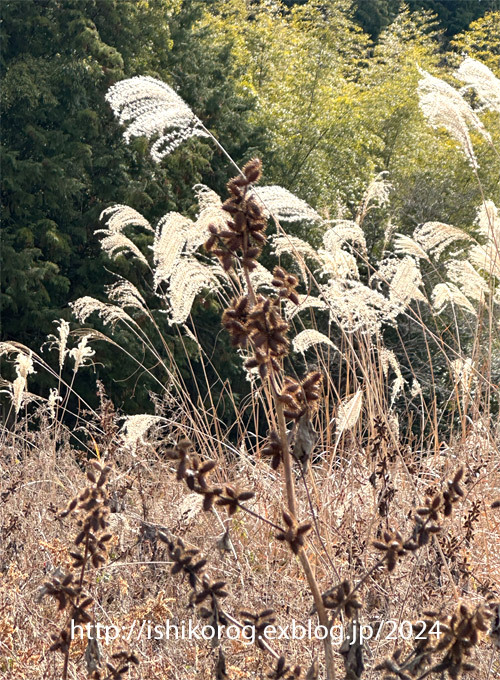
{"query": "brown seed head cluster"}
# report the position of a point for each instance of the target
(258, 622)
(302, 397)
(343, 597)
(447, 654)
(426, 522)
(245, 233)
(294, 533)
(274, 449)
(194, 472)
(71, 590)
(287, 283)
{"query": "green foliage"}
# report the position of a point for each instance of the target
(63, 156)
(482, 41)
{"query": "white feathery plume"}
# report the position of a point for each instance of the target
(170, 239)
(60, 340)
(343, 231)
(115, 244)
(120, 216)
(81, 353)
(338, 264)
(110, 314)
(486, 258)
(483, 80)
(24, 366)
(210, 209)
(13, 347)
(404, 279)
(308, 338)
(135, 427)
(405, 283)
(305, 302)
(289, 245)
(150, 107)
(416, 389)
(405, 245)
(348, 412)
(355, 307)
(7, 348)
(443, 106)
(297, 248)
(188, 278)
(54, 397)
(448, 293)
(388, 360)
(376, 195)
(488, 221)
(125, 294)
(463, 274)
(281, 203)
(434, 237)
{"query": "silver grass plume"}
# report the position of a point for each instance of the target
(470, 282)
(338, 263)
(188, 278)
(52, 400)
(404, 279)
(405, 283)
(488, 221)
(443, 106)
(170, 240)
(23, 363)
(342, 232)
(308, 338)
(435, 237)
(305, 302)
(150, 107)
(109, 314)
(348, 412)
(24, 366)
(405, 245)
(487, 257)
(448, 293)
(388, 361)
(296, 248)
(260, 277)
(281, 203)
(376, 195)
(479, 77)
(60, 340)
(209, 209)
(120, 216)
(115, 244)
(81, 353)
(125, 294)
(355, 307)
(135, 427)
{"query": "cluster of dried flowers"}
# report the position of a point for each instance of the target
(71, 590)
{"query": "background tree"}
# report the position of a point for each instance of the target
(63, 156)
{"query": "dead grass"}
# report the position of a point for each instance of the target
(260, 572)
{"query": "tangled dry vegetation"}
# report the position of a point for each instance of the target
(461, 564)
(313, 506)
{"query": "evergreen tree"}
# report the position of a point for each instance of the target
(63, 156)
